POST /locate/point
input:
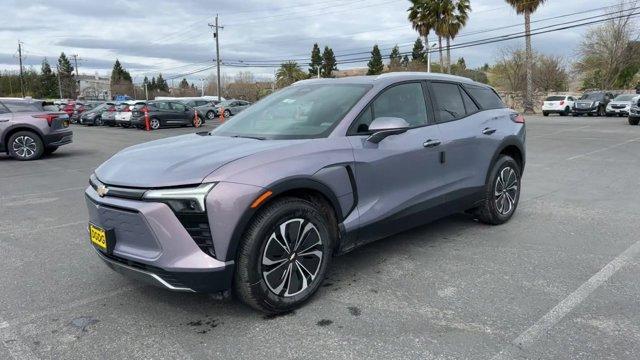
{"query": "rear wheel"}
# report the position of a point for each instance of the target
(25, 145)
(227, 113)
(544, 113)
(154, 124)
(502, 192)
(97, 121)
(196, 122)
(634, 121)
(284, 255)
(211, 115)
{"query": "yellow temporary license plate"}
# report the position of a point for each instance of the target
(98, 237)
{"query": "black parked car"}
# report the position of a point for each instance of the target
(163, 113)
(592, 103)
(94, 116)
(634, 113)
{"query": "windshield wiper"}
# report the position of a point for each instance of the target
(249, 137)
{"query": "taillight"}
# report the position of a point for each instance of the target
(48, 117)
(112, 109)
(127, 109)
(517, 118)
(562, 102)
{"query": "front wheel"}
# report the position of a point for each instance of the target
(227, 113)
(284, 255)
(97, 121)
(634, 121)
(502, 192)
(544, 113)
(211, 115)
(154, 124)
(196, 122)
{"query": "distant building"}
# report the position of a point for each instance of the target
(94, 87)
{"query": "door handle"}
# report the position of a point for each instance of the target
(431, 143)
(488, 131)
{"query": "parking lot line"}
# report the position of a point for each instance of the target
(603, 149)
(550, 319)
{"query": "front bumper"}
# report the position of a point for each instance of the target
(152, 245)
(58, 138)
(619, 112)
(589, 110)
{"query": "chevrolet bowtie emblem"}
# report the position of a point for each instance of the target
(102, 190)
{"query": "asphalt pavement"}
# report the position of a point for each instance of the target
(559, 281)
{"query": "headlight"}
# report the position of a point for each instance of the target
(182, 200)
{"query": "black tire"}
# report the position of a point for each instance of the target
(493, 210)
(211, 115)
(97, 121)
(634, 121)
(154, 124)
(544, 113)
(567, 111)
(25, 146)
(227, 113)
(50, 150)
(251, 283)
(196, 122)
(575, 114)
(126, 126)
(602, 111)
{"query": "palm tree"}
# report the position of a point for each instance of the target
(527, 7)
(455, 14)
(288, 73)
(421, 17)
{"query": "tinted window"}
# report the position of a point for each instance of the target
(592, 96)
(162, 105)
(405, 101)
(469, 105)
(554, 98)
(178, 107)
(3, 109)
(450, 105)
(486, 97)
(23, 106)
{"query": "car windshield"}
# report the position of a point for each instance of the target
(23, 106)
(555, 98)
(296, 112)
(625, 97)
(591, 96)
(226, 103)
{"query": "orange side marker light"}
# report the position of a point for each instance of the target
(261, 199)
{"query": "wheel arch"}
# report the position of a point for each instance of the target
(16, 128)
(300, 187)
(512, 147)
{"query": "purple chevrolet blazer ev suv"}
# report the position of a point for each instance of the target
(261, 204)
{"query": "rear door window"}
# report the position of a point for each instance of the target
(178, 107)
(449, 102)
(486, 97)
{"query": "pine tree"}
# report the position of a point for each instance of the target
(328, 62)
(65, 71)
(375, 64)
(120, 80)
(184, 84)
(417, 54)
(48, 84)
(395, 59)
(316, 61)
(161, 84)
(153, 86)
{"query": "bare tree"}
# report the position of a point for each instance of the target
(550, 74)
(609, 50)
(510, 71)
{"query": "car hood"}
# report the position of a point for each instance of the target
(625, 103)
(180, 160)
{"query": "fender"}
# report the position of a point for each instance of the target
(511, 140)
(278, 188)
(19, 127)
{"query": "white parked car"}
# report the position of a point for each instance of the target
(558, 104)
(124, 112)
(621, 104)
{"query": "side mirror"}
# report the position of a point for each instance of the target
(386, 126)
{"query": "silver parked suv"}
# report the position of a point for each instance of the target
(261, 204)
(28, 130)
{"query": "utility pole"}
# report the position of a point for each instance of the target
(216, 35)
(201, 86)
(20, 60)
(75, 61)
(146, 92)
(319, 71)
(59, 83)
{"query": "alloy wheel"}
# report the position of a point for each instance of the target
(292, 257)
(211, 115)
(506, 191)
(24, 146)
(155, 124)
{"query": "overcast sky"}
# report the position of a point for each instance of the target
(172, 37)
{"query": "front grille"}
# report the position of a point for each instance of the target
(197, 225)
